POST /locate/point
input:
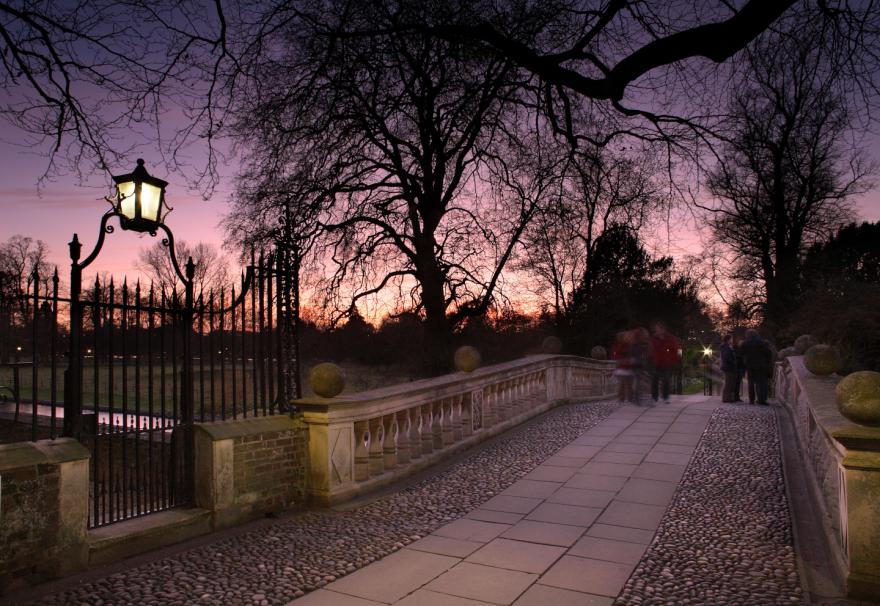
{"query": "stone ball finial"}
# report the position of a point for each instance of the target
(327, 380)
(804, 342)
(598, 353)
(551, 345)
(858, 397)
(822, 360)
(467, 358)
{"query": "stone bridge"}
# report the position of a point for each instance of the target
(521, 483)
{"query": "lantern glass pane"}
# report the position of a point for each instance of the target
(126, 199)
(150, 198)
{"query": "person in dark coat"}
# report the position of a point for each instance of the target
(758, 360)
(740, 371)
(729, 368)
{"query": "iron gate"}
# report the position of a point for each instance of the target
(144, 363)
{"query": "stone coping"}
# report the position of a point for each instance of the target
(822, 398)
(236, 428)
(25, 454)
(387, 400)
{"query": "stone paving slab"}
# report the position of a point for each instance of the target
(486, 583)
(544, 595)
(570, 532)
(487, 515)
(517, 555)
(425, 597)
(588, 575)
(392, 578)
(323, 597)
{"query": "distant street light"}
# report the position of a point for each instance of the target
(707, 352)
(139, 199)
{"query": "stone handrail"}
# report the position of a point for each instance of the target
(842, 461)
(361, 441)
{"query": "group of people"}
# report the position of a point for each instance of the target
(751, 357)
(641, 355)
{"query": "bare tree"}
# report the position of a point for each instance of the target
(79, 75)
(408, 152)
(786, 174)
(591, 193)
(211, 275)
(88, 80)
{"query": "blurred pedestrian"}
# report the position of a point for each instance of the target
(729, 368)
(665, 357)
(758, 360)
(620, 353)
(640, 354)
(740, 370)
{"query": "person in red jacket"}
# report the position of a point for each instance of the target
(665, 356)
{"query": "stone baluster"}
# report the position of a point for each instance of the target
(448, 421)
(507, 405)
(466, 412)
(377, 456)
(500, 408)
(512, 398)
(524, 400)
(389, 446)
(457, 403)
(361, 451)
(403, 431)
(437, 424)
(488, 406)
(427, 414)
(414, 417)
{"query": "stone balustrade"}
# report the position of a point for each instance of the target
(361, 441)
(842, 463)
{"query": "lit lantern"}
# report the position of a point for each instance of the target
(140, 199)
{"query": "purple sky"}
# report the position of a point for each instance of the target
(64, 206)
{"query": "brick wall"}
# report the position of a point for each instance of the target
(269, 469)
(250, 467)
(43, 508)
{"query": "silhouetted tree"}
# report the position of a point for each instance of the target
(408, 152)
(786, 174)
(212, 268)
(842, 287)
(593, 192)
(629, 288)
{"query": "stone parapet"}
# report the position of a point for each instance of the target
(842, 461)
(44, 497)
(249, 467)
(359, 442)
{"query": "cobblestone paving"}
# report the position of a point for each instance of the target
(283, 561)
(726, 538)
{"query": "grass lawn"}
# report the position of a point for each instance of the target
(135, 385)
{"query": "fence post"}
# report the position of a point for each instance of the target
(186, 385)
(73, 375)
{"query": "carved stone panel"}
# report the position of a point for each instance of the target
(340, 456)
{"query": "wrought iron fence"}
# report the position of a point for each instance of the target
(140, 365)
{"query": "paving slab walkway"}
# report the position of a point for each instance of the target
(570, 532)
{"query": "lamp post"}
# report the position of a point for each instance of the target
(707, 377)
(139, 204)
(140, 200)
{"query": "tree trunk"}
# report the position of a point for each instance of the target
(438, 333)
(782, 292)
